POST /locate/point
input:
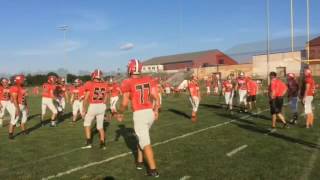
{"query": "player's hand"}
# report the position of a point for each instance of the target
(156, 115)
(17, 113)
(119, 117)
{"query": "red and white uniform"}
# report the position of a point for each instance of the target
(98, 92)
(308, 97)
(215, 87)
(115, 92)
(194, 90)
(78, 95)
(61, 91)
(208, 86)
(242, 89)
(252, 88)
(47, 98)
(6, 103)
(140, 90)
(167, 88)
(21, 93)
(228, 92)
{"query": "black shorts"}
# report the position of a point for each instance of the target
(276, 105)
(252, 98)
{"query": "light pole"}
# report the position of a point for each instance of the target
(268, 34)
(292, 25)
(64, 29)
(308, 31)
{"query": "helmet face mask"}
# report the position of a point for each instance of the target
(19, 79)
(77, 82)
(52, 79)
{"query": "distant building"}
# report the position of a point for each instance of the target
(314, 45)
(282, 63)
(152, 68)
(186, 61)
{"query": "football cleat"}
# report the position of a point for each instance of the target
(87, 146)
(139, 165)
(153, 173)
(103, 145)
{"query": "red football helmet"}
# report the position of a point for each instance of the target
(291, 75)
(97, 74)
(134, 67)
(241, 75)
(5, 82)
(307, 72)
(19, 79)
(52, 79)
(77, 82)
(62, 80)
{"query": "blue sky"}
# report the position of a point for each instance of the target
(105, 34)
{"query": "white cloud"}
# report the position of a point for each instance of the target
(127, 46)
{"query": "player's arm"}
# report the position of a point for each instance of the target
(15, 103)
(85, 103)
(72, 98)
(123, 106)
(66, 96)
(155, 96)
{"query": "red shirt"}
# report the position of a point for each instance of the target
(4, 93)
(48, 90)
(21, 93)
(97, 91)
(227, 86)
(277, 87)
(252, 88)
(242, 84)
(115, 90)
(208, 83)
(61, 90)
(194, 89)
(77, 92)
(140, 90)
(310, 81)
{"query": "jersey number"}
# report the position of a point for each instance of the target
(144, 92)
(99, 94)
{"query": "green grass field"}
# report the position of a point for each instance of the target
(183, 150)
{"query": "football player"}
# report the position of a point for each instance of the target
(61, 94)
(208, 86)
(140, 90)
(77, 96)
(293, 93)
(277, 90)
(48, 99)
(228, 92)
(252, 89)
(18, 98)
(94, 107)
(6, 103)
(167, 88)
(194, 92)
(216, 84)
(115, 93)
(307, 98)
(241, 87)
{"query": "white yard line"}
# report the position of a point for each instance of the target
(185, 178)
(235, 151)
(128, 153)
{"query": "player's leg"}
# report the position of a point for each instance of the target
(24, 118)
(142, 123)
(279, 104)
(13, 120)
(99, 122)
(43, 110)
(87, 126)
(308, 111)
(196, 101)
(2, 110)
(75, 110)
(54, 111)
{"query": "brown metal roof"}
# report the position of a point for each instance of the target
(315, 41)
(177, 58)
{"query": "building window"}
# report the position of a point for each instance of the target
(221, 61)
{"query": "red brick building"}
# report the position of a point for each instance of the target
(191, 60)
(314, 48)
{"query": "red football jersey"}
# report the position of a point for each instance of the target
(242, 84)
(208, 83)
(97, 91)
(228, 86)
(140, 90)
(252, 88)
(77, 92)
(194, 89)
(310, 81)
(4, 93)
(115, 90)
(61, 90)
(21, 93)
(48, 90)
(278, 87)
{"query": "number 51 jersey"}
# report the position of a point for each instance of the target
(140, 92)
(97, 91)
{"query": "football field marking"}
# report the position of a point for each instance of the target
(235, 151)
(185, 178)
(154, 145)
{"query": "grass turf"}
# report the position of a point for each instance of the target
(285, 154)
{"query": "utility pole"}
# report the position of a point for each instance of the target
(64, 29)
